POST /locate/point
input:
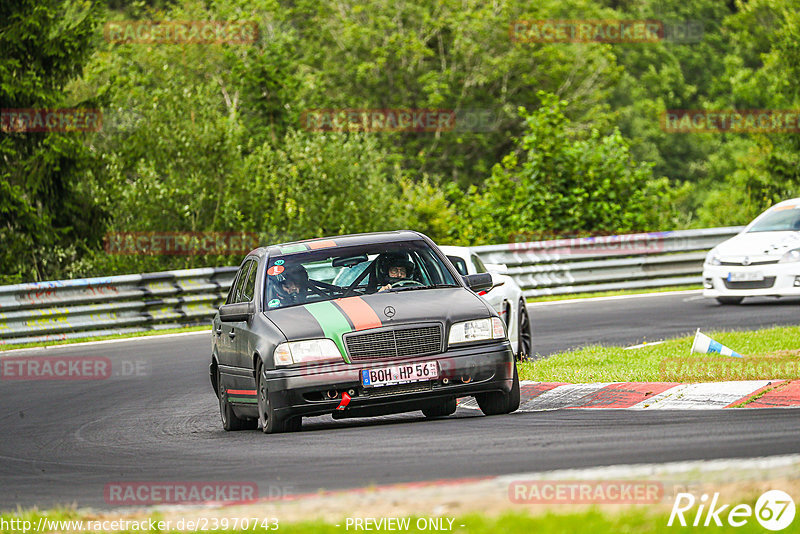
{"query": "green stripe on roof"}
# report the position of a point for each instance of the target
(288, 249)
(333, 322)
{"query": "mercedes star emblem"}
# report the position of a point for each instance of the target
(388, 311)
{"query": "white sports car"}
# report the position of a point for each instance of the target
(505, 297)
(762, 260)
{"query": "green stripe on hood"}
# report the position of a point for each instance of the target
(333, 322)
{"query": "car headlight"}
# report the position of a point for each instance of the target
(477, 330)
(712, 258)
(310, 351)
(790, 257)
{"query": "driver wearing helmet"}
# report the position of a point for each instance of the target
(392, 269)
(292, 285)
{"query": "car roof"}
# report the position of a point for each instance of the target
(338, 241)
(452, 250)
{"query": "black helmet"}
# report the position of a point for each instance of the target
(296, 273)
(393, 259)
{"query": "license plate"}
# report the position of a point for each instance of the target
(399, 374)
(746, 276)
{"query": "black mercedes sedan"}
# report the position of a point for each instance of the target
(355, 326)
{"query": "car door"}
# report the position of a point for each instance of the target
(245, 342)
(228, 331)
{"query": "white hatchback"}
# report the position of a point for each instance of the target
(762, 260)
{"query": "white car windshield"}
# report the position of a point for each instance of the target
(778, 220)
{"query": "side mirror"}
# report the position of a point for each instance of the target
(478, 282)
(232, 313)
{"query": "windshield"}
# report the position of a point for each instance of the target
(785, 218)
(332, 273)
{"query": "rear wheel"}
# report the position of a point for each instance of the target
(498, 402)
(440, 409)
(230, 421)
(524, 336)
(270, 422)
(730, 300)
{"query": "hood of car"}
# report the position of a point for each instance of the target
(334, 318)
(758, 246)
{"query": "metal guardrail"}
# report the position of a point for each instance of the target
(607, 263)
(70, 309)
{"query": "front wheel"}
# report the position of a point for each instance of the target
(498, 402)
(267, 418)
(729, 300)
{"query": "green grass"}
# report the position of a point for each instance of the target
(638, 519)
(549, 298)
(671, 361)
(104, 338)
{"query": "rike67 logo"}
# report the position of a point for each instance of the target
(774, 510)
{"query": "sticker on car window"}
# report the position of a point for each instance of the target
(278, 262)
(275, 270)
(274, 303)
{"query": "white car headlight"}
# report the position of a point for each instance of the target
(792, 256)
(712, 258)
(310, 351)
(476, 330)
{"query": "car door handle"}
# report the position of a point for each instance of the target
(219, 331)
(231, 334)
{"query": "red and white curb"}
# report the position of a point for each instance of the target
(538, 396)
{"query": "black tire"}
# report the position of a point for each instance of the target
(524, 334)
(497, 402)
(729, 300)
(440, 409)
(230, 421)
(269, 421)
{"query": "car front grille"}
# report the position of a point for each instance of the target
(398, 389)
(766, 283)
(400, 343)
(739, 263)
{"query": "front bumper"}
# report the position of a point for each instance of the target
(779, 280)
(463, 371)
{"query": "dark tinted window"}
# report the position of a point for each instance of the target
(331, 273)
(459, 263)
(249, 289)
(479, 266)
(236, 289)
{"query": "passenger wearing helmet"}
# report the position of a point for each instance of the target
(292, 285)
(394, 268)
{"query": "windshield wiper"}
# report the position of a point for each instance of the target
(409, 288)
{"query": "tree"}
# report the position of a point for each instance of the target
(46, 218)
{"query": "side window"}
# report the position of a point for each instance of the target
(233, 296)
(479, 266)
(250, 285)
(460, 264)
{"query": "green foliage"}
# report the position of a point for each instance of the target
(45, 217)
(566, 182)
(208, 137)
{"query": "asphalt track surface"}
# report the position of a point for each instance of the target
(63, 441)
